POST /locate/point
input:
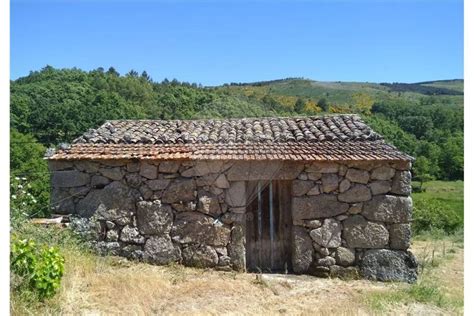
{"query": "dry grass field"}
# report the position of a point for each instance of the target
(104, 286)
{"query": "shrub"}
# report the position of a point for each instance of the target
(41, 267)
(22, 201)
(431, 215)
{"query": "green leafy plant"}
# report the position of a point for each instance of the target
(432, 215)
(22, 201)
(41, 267)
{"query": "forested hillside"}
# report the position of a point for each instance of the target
(56, 105)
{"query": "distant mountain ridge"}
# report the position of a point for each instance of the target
(434, 87)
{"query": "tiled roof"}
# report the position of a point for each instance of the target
(335, 137)
(225, 131)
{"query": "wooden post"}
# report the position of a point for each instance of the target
(259, 194)
(270, 193)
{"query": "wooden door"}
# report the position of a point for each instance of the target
(268, 232)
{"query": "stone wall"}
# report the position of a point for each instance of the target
(346, 216)
(352, 219)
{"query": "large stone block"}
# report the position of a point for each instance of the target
(359, 233)
(237, 248)
(134, 180)
(87, 166)
(133, 166)
(323, 167)
(326, 261)
(160, 250)
(382, 173)
(389, 265)
(328, 235)
(201, 256)
(330, 182)
(153, 218)
(345, 273)
(194, 227)
(107, 248)
(62, 202)
(56, 165)
(380, 187)
(364, 164)
(115, 200)
(401, 183)
(254, 170)
(131, 235)
(169, 166)
(357, 193)
(184, 207)
(317, 206)
(99, 181)
(133, 252)
(302, 255)
(301, 187)
(114, 162)
(115, 174)
(157, 185)
(206, 180)
(148, 171)
(344, 185)
(180, 191)
(400, 235)
(388, 208)
(69, 179)
(203, 168)
(344, 256)
(316, 190)
(289, 170)
(221, 182)
(208, 203)
(235, 196)
(357, 176)
(401, 165)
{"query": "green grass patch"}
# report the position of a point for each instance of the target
(425, 293)
(25, 299)
(439, 211)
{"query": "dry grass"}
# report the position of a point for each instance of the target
(115, 286)
(104, 286)
(439, 290)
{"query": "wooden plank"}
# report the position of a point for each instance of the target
(268, 230)
(271, 218)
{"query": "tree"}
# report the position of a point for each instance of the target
(362, 102)
(26, 162)
(132, 73)
(421, 170)
(323, 104)
(299, 105)
(145, 76)
(113, 72)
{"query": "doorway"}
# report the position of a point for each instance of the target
(269, 224)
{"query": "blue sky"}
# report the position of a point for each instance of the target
(214, 42)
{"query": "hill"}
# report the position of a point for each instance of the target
(51, 106)
(338, 92)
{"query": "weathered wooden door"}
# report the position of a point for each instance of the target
(268, 232)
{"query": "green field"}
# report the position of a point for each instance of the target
(440, 209)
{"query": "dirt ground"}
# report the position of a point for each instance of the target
(101, 286)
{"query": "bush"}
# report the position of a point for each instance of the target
(40, 267)
(22, 201)
(431, 215)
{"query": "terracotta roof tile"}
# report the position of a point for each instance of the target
(335, 137)
(229, 131)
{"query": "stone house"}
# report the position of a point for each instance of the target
(317, 195)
